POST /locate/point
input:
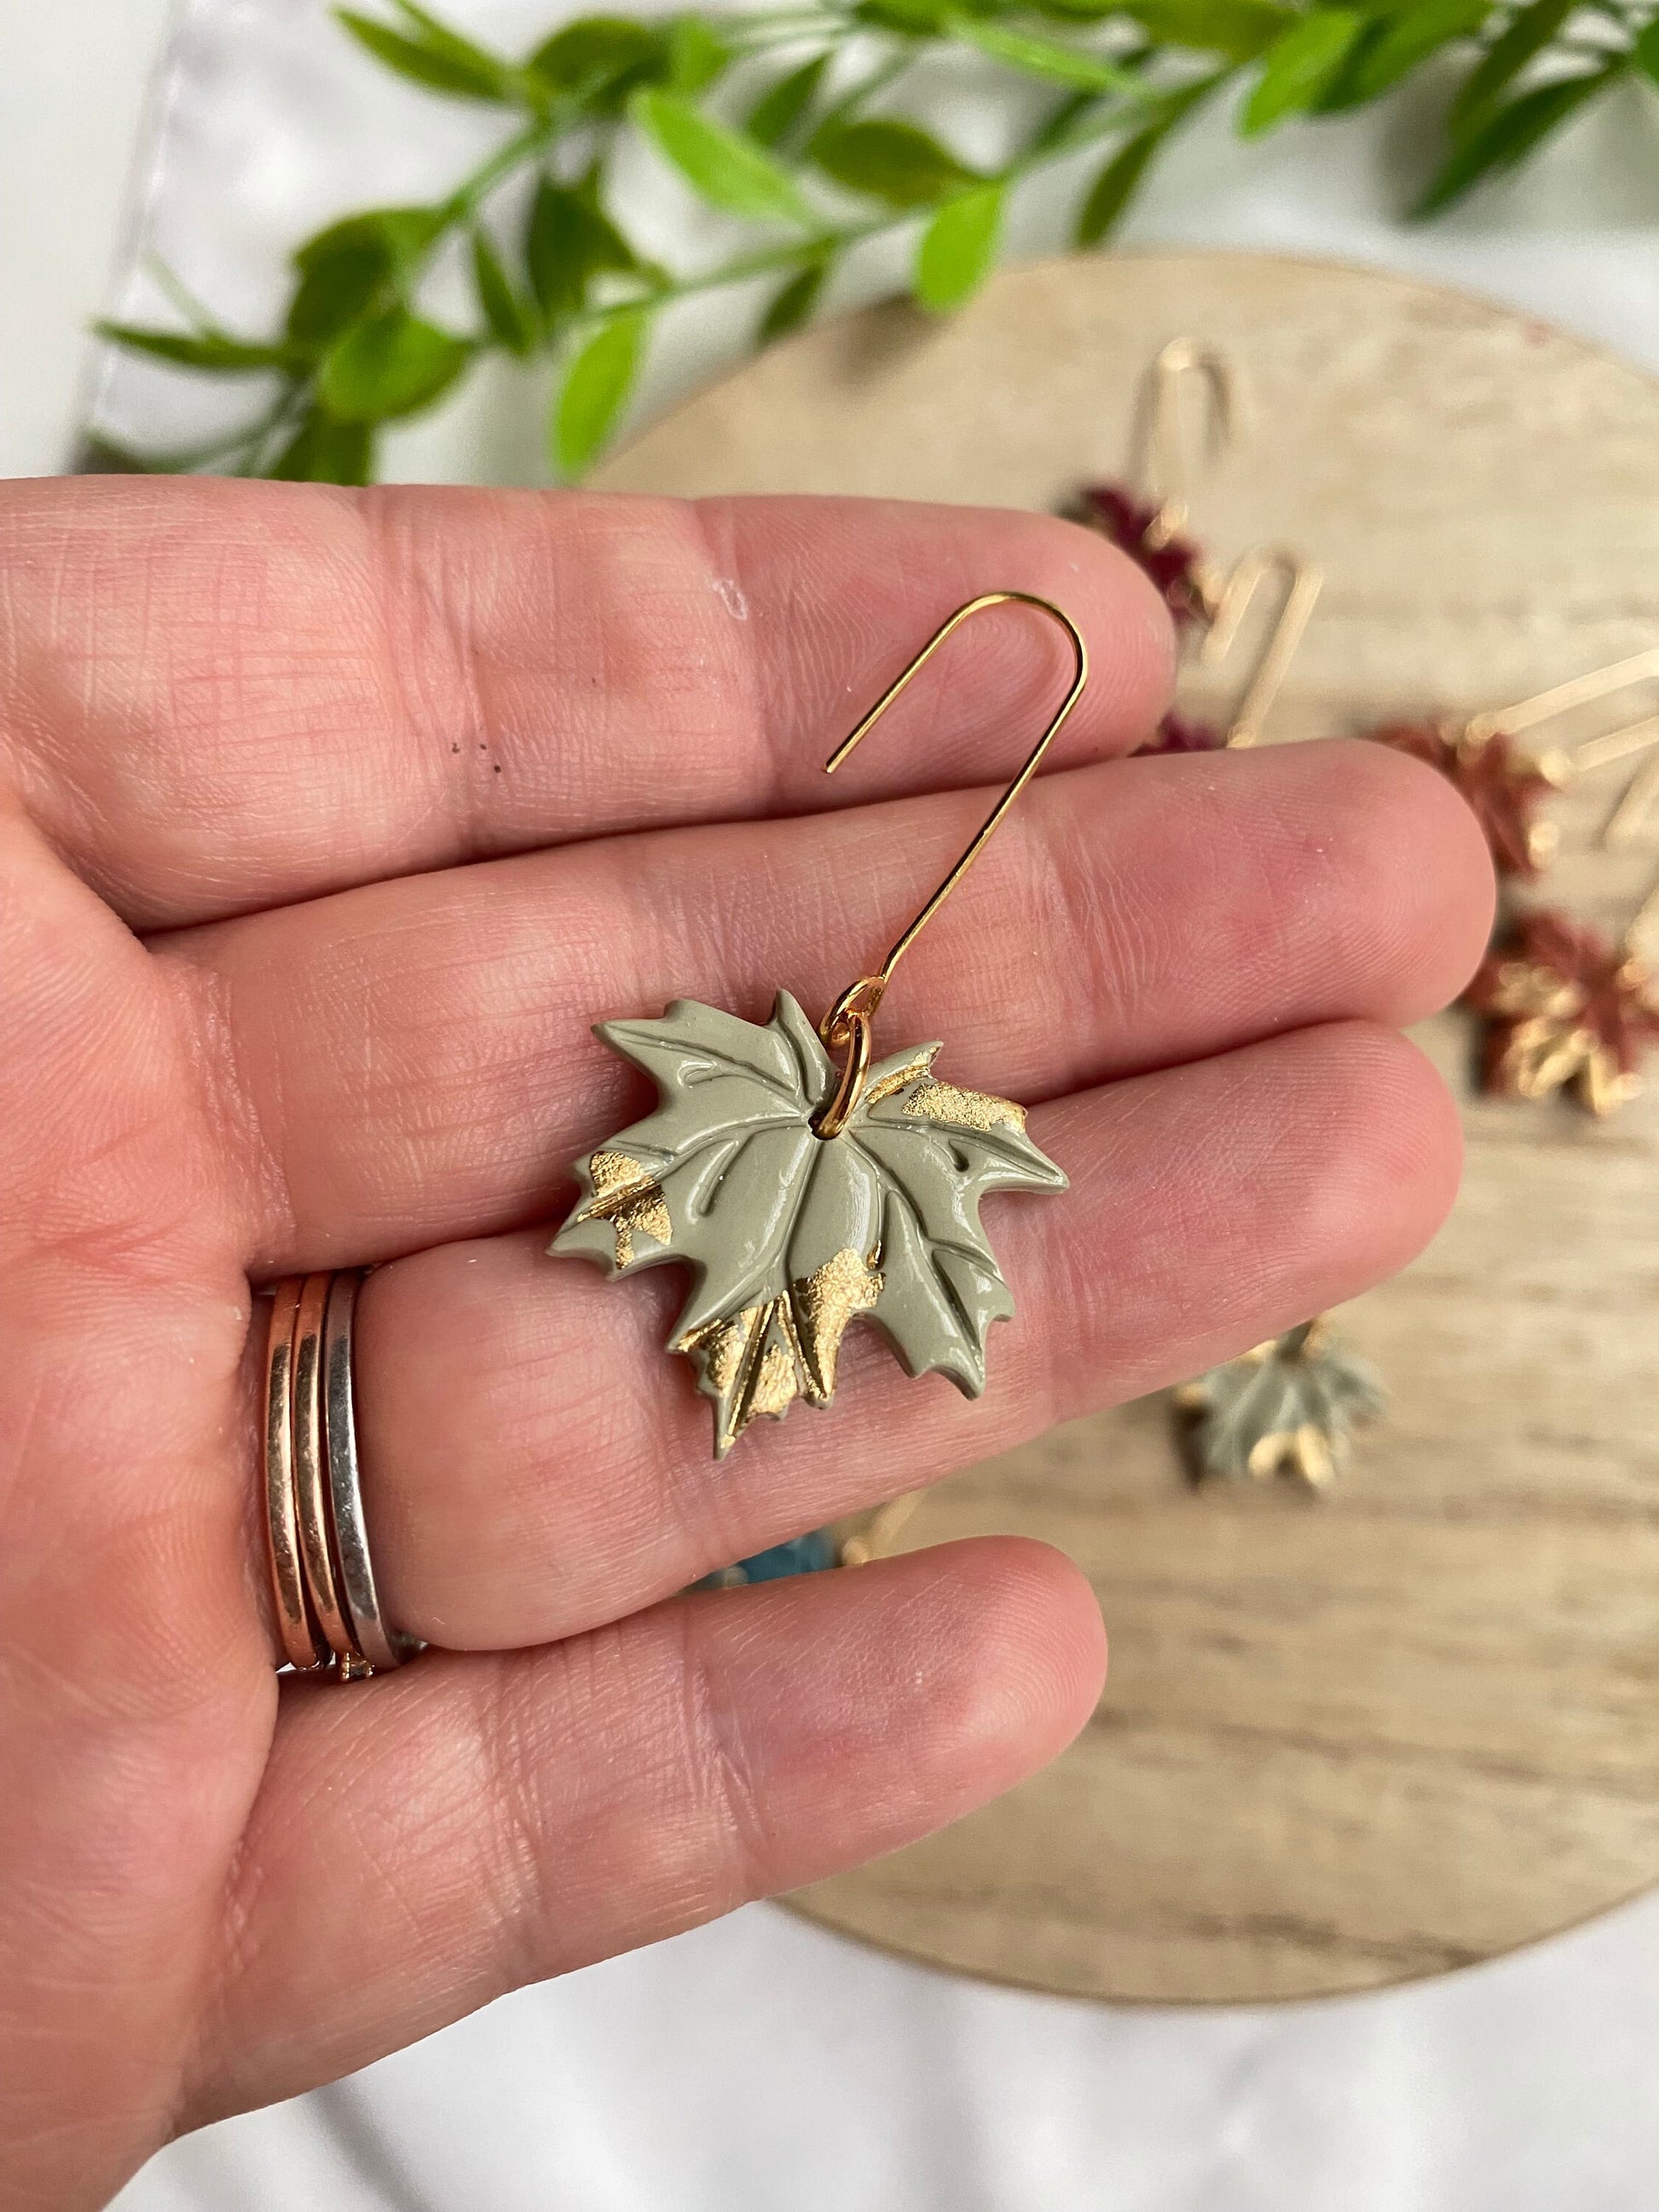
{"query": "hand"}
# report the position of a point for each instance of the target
(331, 821)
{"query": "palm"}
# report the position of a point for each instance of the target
(334, 822)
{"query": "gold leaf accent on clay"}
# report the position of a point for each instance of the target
(773, 1391)
(970, 1109)
(887, 1085)
(629, 1196)
(1303, 1451)
(846, 1284)
(751, 1365)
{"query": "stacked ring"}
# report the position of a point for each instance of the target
(328, 1614)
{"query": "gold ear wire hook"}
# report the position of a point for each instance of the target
(1303, 584)
(1641, 921)
(1170, 471)
(847, 1022)
(1618, 745)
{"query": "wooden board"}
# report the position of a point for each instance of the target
(1348, 1742)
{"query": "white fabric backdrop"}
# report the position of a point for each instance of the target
(762, 2063)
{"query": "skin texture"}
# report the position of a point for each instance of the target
(328, 823)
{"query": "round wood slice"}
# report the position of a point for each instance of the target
(1416, 1723)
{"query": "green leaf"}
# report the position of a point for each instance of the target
(790, 306)
(916, 19)
(205, 349)
(1645, 50)
(724, 167)
(696, 56)
(1503, 136)
(436, 58)
(1392, 47)
(597, 59)
(327, 451)
(1048, 58)
(1301, 62)
(346, 269)
(1525, 36)
(1115, 186)
(779, 108)
(391, 365)
(508, 317)
(1240, 29)
(569, 241)
(892, 161)
(1079, 11)
(596, 389)
(958, 248)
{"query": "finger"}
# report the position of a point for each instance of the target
(535, 1461)
(413, 1062)
(467, 1825)
(131, 1689)
(221, 696)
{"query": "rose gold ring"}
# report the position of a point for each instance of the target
(328, 1611)
(287, 1579)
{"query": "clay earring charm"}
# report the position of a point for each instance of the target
(1504, 784)
(1566, 1012)
(1290, 1405)
(801, 1195)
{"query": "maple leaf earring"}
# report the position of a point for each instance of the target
(1504, 784)
(1566, 1012)
(803, 1196)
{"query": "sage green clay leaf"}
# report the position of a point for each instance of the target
(791, 1237)
(1288, 1406)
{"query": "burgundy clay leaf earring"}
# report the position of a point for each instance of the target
(1504, 784)
(1151, 526)
(1567, 1012)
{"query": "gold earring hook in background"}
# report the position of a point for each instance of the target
(1302, 583)
(847, 1022)
(1561, 767)
(1171, 467)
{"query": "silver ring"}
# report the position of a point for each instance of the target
(381, 1645)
